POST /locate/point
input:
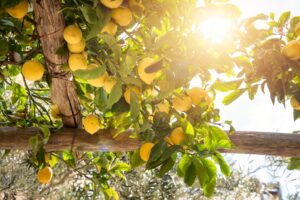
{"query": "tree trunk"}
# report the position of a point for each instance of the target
(50, 25)
(277, 144)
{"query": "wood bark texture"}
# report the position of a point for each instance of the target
(69, 138)
(277, 144)
(50, 25)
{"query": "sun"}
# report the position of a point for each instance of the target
(217, 30)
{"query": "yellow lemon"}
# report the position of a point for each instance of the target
(91, 124)
(177, 136)
(145, 151)
(163, 107)
(111, 3)
(122, 16)
(182, 103)
(144, 76)
(54, 111)
(110, 28)
(128, 90)
(72, 34)
(292, 50)
(77, 47)
(18, 11)
(77, 61)
(45, 175)
(294, 103)
(109, 84)
(198, 95)
(33, 70)
(297, 29)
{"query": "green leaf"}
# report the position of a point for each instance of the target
(218, 158)
(189, 129)
(120, 166)
(183, 164)
(207, 175)
(190, 174)
(169, 152)
(294, 163)
(167, 165)
(101, 99)
(233, 96)
(135, 159)
(110, 194)
(113, 45)
(296, 114)
(225, 86)
(8, 3)
(103, 16)
(252, 90)
(69, 159)
(34, 143)
(46, 133)
(132, 81)
(53, 161)
(134, 106)
(89, 14)
(156, 152)
(284, 18)
(3, 47)
(115, 95)
(89, 73)
(128, 65)
(40, 155)
(220, 138)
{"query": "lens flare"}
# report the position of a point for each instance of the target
(216, 29)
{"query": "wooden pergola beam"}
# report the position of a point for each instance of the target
(277, 144)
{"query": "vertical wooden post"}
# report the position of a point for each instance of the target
(50, 25)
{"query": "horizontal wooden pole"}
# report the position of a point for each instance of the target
(67, 138)
(265, 143)
(277, 144)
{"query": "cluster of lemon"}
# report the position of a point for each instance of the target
(292, 51)
(78, 59)
(176, 137)
(121, 16)
(181, 103)
(45, 175)
(91, 123)
(194, 96)
(76, 45)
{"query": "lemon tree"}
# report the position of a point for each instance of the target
(125, 69)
